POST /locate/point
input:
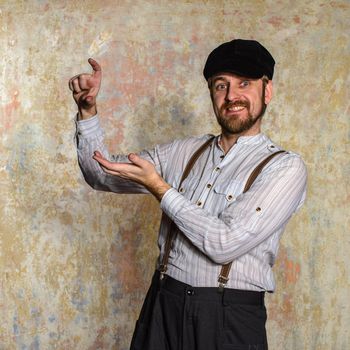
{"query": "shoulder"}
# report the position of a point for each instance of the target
(180, 148)
(286, 160)
(193, 140)
(188, 144)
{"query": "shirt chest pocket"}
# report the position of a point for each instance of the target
(227, 192)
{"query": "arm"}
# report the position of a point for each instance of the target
(90, 141)
(266, 208)
(257, 214)
(139, 170)
(85, 88)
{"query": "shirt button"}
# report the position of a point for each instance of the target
(190, 292)
(258, 209)
(229, 197)
(222, 157)
(217, 168)
(181, 190)
(199, 203)
(209, 185)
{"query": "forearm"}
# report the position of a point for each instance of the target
(246, 223)
(221, 240)
(90, 138)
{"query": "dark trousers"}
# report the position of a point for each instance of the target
(176, 316)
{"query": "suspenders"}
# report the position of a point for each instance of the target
(170, 236)
(225, 269)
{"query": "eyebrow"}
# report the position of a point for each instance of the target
(219, 77)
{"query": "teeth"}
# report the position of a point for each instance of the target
(236, 108)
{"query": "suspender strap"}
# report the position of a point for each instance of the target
(170, 236)
(194, 158)
(225, 270)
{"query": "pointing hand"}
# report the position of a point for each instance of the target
(85, 88)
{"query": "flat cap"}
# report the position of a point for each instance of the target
(247, 58)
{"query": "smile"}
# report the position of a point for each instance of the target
(236, 108)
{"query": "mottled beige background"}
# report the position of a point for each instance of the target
(75, 263)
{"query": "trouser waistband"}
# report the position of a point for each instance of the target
(232, 296)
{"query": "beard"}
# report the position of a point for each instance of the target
(234, 125)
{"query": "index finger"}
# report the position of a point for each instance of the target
(95, 66)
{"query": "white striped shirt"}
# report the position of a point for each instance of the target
(216, 222)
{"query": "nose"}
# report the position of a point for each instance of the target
(231, 93)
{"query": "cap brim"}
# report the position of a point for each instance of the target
(238, 67)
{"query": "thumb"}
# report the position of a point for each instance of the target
(137, 160)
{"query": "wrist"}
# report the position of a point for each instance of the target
(86, 113)
(160, 191)
(158, 188)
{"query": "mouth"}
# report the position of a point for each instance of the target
(235, 108)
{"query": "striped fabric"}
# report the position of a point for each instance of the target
(216, 223)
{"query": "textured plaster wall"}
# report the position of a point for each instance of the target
(75, 263)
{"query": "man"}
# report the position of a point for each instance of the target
(212, 216)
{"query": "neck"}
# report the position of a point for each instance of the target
(229, 139)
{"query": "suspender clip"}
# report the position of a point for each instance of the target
(162, 270)
(222, 282)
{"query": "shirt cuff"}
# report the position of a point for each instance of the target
(88, 127)
(170, 202)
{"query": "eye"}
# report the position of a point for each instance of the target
(244, 83)
(220, 87)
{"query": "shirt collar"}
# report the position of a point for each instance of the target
(247, 139)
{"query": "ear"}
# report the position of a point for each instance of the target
(268, 92)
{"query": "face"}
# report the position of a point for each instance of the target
(239, 103)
